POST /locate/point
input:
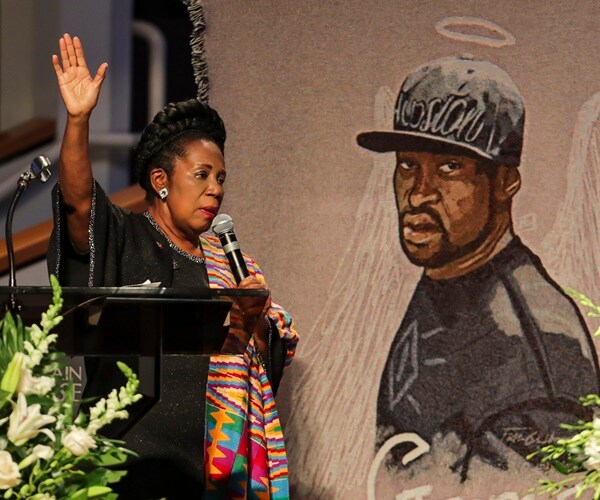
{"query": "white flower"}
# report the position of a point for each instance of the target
(592, 447)
(26, 422)
(9, 471)
(108, 409)
(39, 451)
(42, 451)
(49, 321)
(35, 334)
(39, 386)
(78, 441)
(593, 454)
(37, 349)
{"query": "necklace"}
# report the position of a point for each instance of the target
(174, 247)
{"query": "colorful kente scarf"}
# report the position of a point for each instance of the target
(244, 451)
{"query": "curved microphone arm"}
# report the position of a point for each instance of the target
(39, 169)
(21, 186)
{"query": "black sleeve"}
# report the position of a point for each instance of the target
(277, 357)
(69, 266)
(276, 361)
(99, 267)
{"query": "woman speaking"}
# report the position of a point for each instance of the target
(179, 163)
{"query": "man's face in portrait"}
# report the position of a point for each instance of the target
(445, 205)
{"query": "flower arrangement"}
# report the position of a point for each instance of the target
(46, 452)
(578, 456)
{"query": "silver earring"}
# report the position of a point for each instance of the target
(163, 193)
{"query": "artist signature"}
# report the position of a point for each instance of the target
(525, 436)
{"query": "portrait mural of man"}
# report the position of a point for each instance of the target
(490, 356)
(490, 348)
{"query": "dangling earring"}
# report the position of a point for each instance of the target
(163, 193)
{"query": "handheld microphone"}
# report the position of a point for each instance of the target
(222, 226)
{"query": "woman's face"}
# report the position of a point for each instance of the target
(196, 187)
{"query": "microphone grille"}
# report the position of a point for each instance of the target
(222, 224)
(40, 167)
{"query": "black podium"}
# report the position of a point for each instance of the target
(166, 336)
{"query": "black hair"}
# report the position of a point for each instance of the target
(165, 138)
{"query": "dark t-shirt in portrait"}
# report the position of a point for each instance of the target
(501, 349)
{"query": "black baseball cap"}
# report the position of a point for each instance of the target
(459, 104)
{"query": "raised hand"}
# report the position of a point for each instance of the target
(78, 90)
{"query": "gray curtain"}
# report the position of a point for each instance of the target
(196, 13)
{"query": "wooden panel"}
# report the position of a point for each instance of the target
(26, 136)
(32, 243)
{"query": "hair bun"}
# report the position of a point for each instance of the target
(170, 123)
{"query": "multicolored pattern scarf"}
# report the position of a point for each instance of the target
(244, 451)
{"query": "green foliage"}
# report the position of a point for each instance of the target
(11, 341)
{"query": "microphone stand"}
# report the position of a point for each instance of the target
(39, 168)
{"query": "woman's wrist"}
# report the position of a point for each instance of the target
(82, 119)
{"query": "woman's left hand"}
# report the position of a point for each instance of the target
(78, 89)
(254, 311)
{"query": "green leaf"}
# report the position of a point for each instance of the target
(10, 332)
(96, 491)
(110, 458)
(560, 467)
(576, 462)
(7, 338)
(21, 336)
(97, 477)
(114, 476)
(4, 395)
(12, 375)
(79, 495)
(92, 492)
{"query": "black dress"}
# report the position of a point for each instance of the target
(171, 464)
(126, 249)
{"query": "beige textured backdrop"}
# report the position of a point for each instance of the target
(295, 81)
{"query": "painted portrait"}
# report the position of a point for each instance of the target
(447, 350)
(420, 182)
(491, 352)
